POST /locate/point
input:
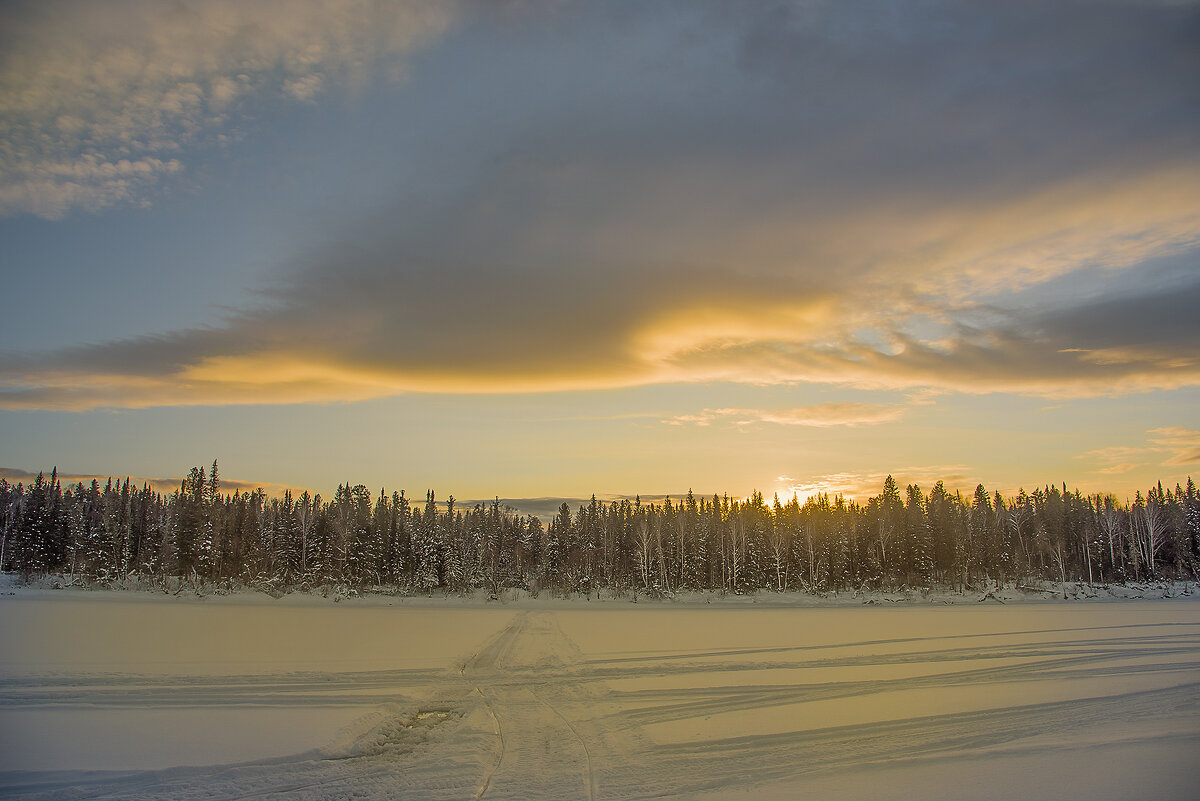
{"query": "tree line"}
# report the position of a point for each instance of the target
(826, 543)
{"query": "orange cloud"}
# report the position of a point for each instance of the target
(1171, 446)
(863, 485)
(824, 415)
(1182, 444)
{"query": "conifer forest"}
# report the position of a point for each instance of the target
(899, 538)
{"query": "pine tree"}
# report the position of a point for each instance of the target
(919, 534)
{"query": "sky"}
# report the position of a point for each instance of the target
(548, 248)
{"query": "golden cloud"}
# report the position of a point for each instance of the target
(1181, 444)
(823, 415)
(863, 485)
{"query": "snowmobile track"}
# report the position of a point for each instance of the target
(487, 779)
(590, 785)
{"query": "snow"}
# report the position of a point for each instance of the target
(130, 695)
(69, 737)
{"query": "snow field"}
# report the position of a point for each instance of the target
(109, 695)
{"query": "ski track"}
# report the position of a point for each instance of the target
(531, 716)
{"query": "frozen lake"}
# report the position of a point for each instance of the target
(124, 695)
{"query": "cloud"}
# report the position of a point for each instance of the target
(100, 103)
(1182, 444)
(1116, 460)
(1169, 446)
(823, 415)
(163, 485)
(547, 508)
(863, 485)
(821, 193)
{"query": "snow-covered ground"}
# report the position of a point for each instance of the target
(128, 695)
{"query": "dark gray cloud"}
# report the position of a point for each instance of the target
(547, 508)
(628, 193)
(1162, 319)
(164, 485)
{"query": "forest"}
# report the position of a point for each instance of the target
(909, 538)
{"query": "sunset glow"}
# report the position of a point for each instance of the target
(556, 249)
